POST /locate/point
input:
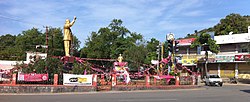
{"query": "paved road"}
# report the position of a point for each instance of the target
(227, 93)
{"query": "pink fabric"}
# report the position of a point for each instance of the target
(167, 77)
(33, 77)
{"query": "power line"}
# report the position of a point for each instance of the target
(18, 20)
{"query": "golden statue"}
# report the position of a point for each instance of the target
(68, 37)
(120, 58)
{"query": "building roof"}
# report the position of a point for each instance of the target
(233, 38)
(222, 39)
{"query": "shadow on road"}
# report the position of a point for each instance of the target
(247, 91)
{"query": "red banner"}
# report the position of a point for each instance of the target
(33, 77)
(187, 41)
(242, 57)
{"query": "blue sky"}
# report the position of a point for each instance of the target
(151, 18)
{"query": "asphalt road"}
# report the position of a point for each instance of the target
(227, 93)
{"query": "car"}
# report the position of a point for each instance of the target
(213, 79)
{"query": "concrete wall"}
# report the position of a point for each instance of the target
(228, 48)
(45, 89)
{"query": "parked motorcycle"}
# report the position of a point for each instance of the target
(233, 80)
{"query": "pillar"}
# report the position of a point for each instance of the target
(102, 79)
(147, 80)
(193, 79)
(155, 80)
(177, 80)
(13, 82)
(219, 69)
(199, 79)
(94, 83)
(113, 79)
(236, 72)
(55, 79)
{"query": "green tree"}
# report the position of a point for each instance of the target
(56, 46)
(55, 41)
(27, 41)
(7, 51)
(111, 41)
(135, 55)
(151, 50)
(80, 68)
(48, 65)
(232, 23)
(208, 43)
(15, 47)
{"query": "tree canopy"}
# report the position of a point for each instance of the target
(205, 40)
(115, 39)
(231, 23)
(15, 47)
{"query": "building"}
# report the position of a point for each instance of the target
(6, 66)
(231, 61)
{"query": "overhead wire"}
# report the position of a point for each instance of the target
(21, 21)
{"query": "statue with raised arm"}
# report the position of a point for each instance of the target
(68, 37)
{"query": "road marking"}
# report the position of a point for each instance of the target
(146, 100)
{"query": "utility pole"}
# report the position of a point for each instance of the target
(47, 39)
(162, 50)
(47, 47)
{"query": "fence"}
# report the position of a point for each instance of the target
(106, 79)
(186, 80)
(5, 78)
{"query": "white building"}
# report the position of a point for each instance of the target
(229, 62)
(30, 56)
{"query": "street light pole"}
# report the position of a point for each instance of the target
(158, 49)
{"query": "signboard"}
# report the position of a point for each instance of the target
(189, 61)
(186, 41)
(235, 38)
(77, 80)
(224, 58)
(242, 57)
(32, 77)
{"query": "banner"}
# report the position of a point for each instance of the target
(77, 80)
(189, 61)
(242, 57)
(224, 58)
(187, 41)
(32, 77)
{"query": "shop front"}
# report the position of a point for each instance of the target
(243, 66)
(190, 61)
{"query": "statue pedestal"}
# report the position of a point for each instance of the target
(68, 62)
(68, 59)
